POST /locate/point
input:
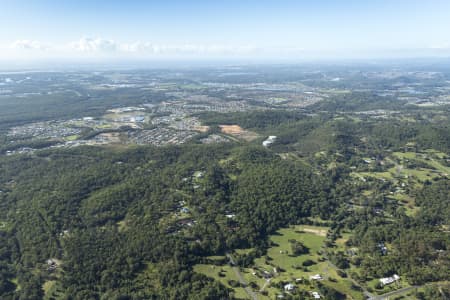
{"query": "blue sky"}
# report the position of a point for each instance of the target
(226, 28)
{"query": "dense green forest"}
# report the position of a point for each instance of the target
(111, 216)
(369, 173)
(87, 192)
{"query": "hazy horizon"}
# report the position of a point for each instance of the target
(252, 31)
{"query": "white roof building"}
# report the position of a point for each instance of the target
(316, 277)
(270, 140)
(289, 287)
(389, 280)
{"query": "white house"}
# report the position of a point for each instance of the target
(389, 280)
(289, 287)
(316, 277)
(270, 140)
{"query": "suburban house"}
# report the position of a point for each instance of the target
(389, 280)
(316, 277)
(289, 287)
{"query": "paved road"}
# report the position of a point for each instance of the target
(393, 293)
(265, 284)
(241, 279)
(366, 293)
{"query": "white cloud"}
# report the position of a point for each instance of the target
(28, 45)
(94, 45)
(441, 46)
(187, 49)
(138, 47)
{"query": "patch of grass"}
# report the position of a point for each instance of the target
(5, 226)
(280, 256)
(72, 137)
(105, 126)
(388, 288)
(15, 281)
(226, 274)
(378, 175)
(48, 285)
(216, 257)
(343, 286)
(407, 202)
(425, 158)
(340, 242)
(122, 225)
(243, 251)
(286, 267)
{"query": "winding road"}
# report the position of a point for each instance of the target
(241, 279)
(394, 293)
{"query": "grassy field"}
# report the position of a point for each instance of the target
(378, 175)
(430, 158)
(5, 226)
(407, 201)
(15, 281)
(285, 267)
(402, 283)
(409, 169)
(226, 274)
(72, 137)
(281, 254)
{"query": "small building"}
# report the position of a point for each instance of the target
(51, 264)
(289, 287)
(316, 277)
(315, 295)
(270, 140)
(266, 275)
(198, 174)
(389, 280)
(382, 248)
(138, 119)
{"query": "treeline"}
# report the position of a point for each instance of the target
(359, 101)
(255, 120)
(416, 246)
(308, 134)
(110, 215)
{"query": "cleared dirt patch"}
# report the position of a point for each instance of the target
(231, 129)
(238, 131)
(201, 128)
(320, 232)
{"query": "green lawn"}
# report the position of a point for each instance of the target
(378, 175)
(5, 226)
(388, 288)
(288, 267)
(243, 251)
(15, 281)
(282, 255)
(407, 201)
(227, 274)
(49, 288)
(426, 158)
(72, 137)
